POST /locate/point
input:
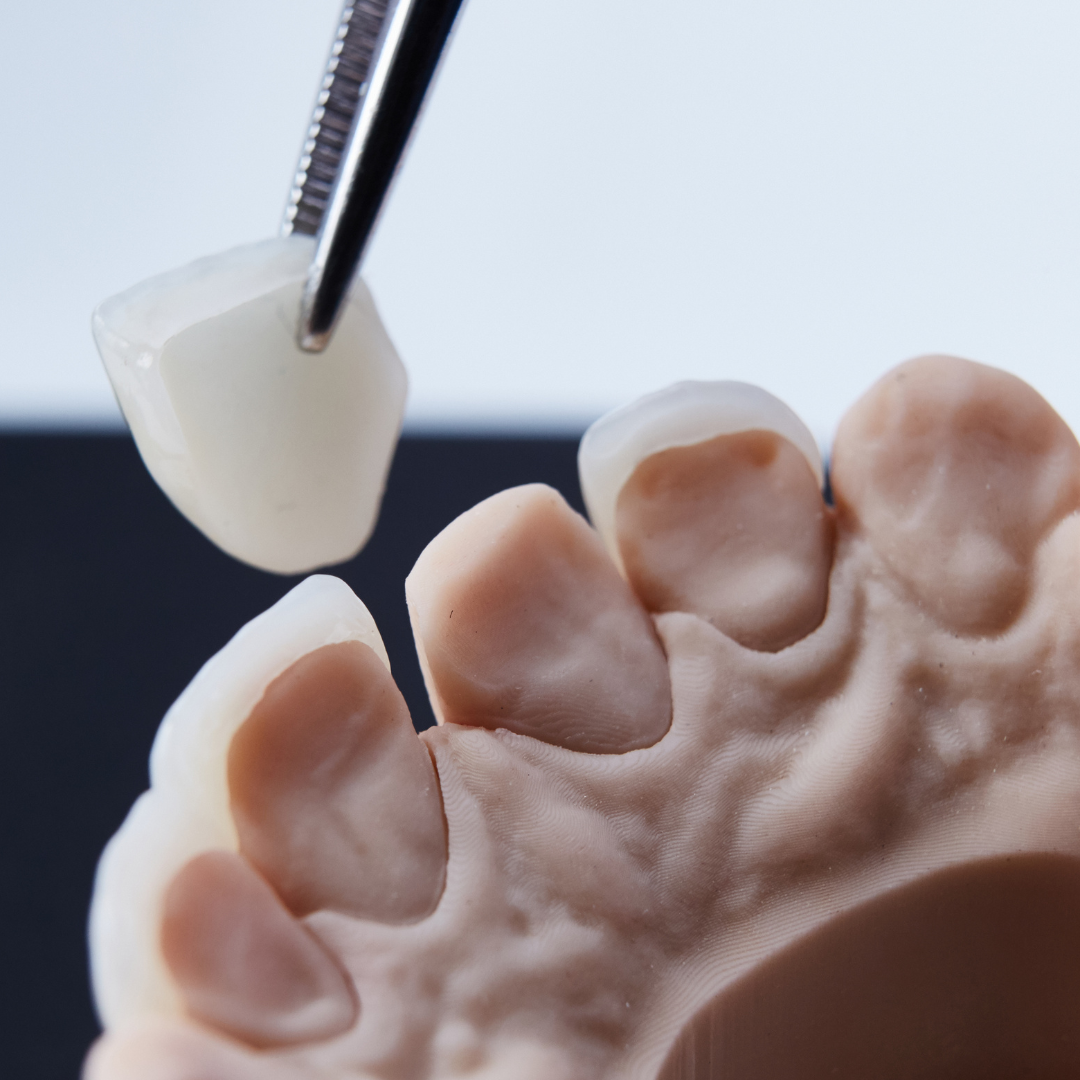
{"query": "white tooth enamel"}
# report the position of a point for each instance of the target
(186, 810)
(278, 455)
(680, 415)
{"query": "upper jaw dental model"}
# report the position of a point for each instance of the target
(739, 785)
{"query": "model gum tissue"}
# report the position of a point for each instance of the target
(279, 456)
(741, 786)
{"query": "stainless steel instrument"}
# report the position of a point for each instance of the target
(382, 62)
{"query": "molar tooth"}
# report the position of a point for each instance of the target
(680, 415)
(279, 456)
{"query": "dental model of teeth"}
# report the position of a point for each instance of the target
(742, 785)
(279, 456)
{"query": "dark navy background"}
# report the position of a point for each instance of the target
(109, 603)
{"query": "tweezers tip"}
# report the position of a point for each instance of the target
(308, 338)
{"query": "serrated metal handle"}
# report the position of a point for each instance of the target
(376, 85)
(355, 46)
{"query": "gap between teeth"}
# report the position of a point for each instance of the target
(681, 415)
(186, 811)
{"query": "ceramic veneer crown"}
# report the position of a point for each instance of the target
(277, 455)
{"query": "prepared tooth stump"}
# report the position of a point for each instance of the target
(740, 785)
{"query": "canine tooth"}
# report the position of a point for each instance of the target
(186, 811)
(680, 415)
(277, 455)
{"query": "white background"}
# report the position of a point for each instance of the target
(604, 195)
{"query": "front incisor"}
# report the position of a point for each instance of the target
(734, 530)
(522, 622)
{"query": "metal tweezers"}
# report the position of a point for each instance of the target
(383, 59)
